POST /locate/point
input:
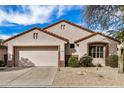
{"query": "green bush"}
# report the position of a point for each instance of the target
(113, 61)
(99, 65)
(86, 61)
(2, 63)
(73, 62)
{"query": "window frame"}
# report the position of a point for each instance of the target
(71, 45)
(96, 51)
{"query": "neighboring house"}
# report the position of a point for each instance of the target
(3, 53)
(54, 44)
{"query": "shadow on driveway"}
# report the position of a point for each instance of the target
(28, 77)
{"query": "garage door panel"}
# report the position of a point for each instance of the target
(39, 56)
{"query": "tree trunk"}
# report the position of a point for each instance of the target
(120, 61)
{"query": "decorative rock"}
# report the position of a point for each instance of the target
(101, 76)
(97, 68)
(2, 68)
(59, 69)
(81, 73)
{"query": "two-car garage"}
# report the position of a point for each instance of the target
(36, 46)
(38, 55)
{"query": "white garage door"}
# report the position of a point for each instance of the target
(39, 56)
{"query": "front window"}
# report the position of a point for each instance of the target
(96, 51)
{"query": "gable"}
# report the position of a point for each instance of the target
(71, 31)
(29, 35)
(43, 39)
(98, 37)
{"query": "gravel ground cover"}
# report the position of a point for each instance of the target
(88, 77)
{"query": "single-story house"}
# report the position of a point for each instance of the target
(54, 44)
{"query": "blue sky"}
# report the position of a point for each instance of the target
(16, 19)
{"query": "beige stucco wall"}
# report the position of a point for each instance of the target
(82, 49)
(74, 33)
(71, 51)
(70, 32)
(3, 51)
(43, 39)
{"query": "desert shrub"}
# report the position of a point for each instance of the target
(99, 65)
(113, 60)
(73, 62)
(2, 63)
(86, 61)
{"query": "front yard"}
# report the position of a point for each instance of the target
(90, 77)
(66, 77)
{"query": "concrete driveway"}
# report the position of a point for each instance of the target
(29, 77)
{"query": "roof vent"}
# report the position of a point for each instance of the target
(62, 26)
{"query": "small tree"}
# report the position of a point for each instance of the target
(113, 60)
(120, 59)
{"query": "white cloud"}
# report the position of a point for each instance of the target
(32, 14)
(64, 8)
(35, 14)
(3, 36)
(60, 11)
